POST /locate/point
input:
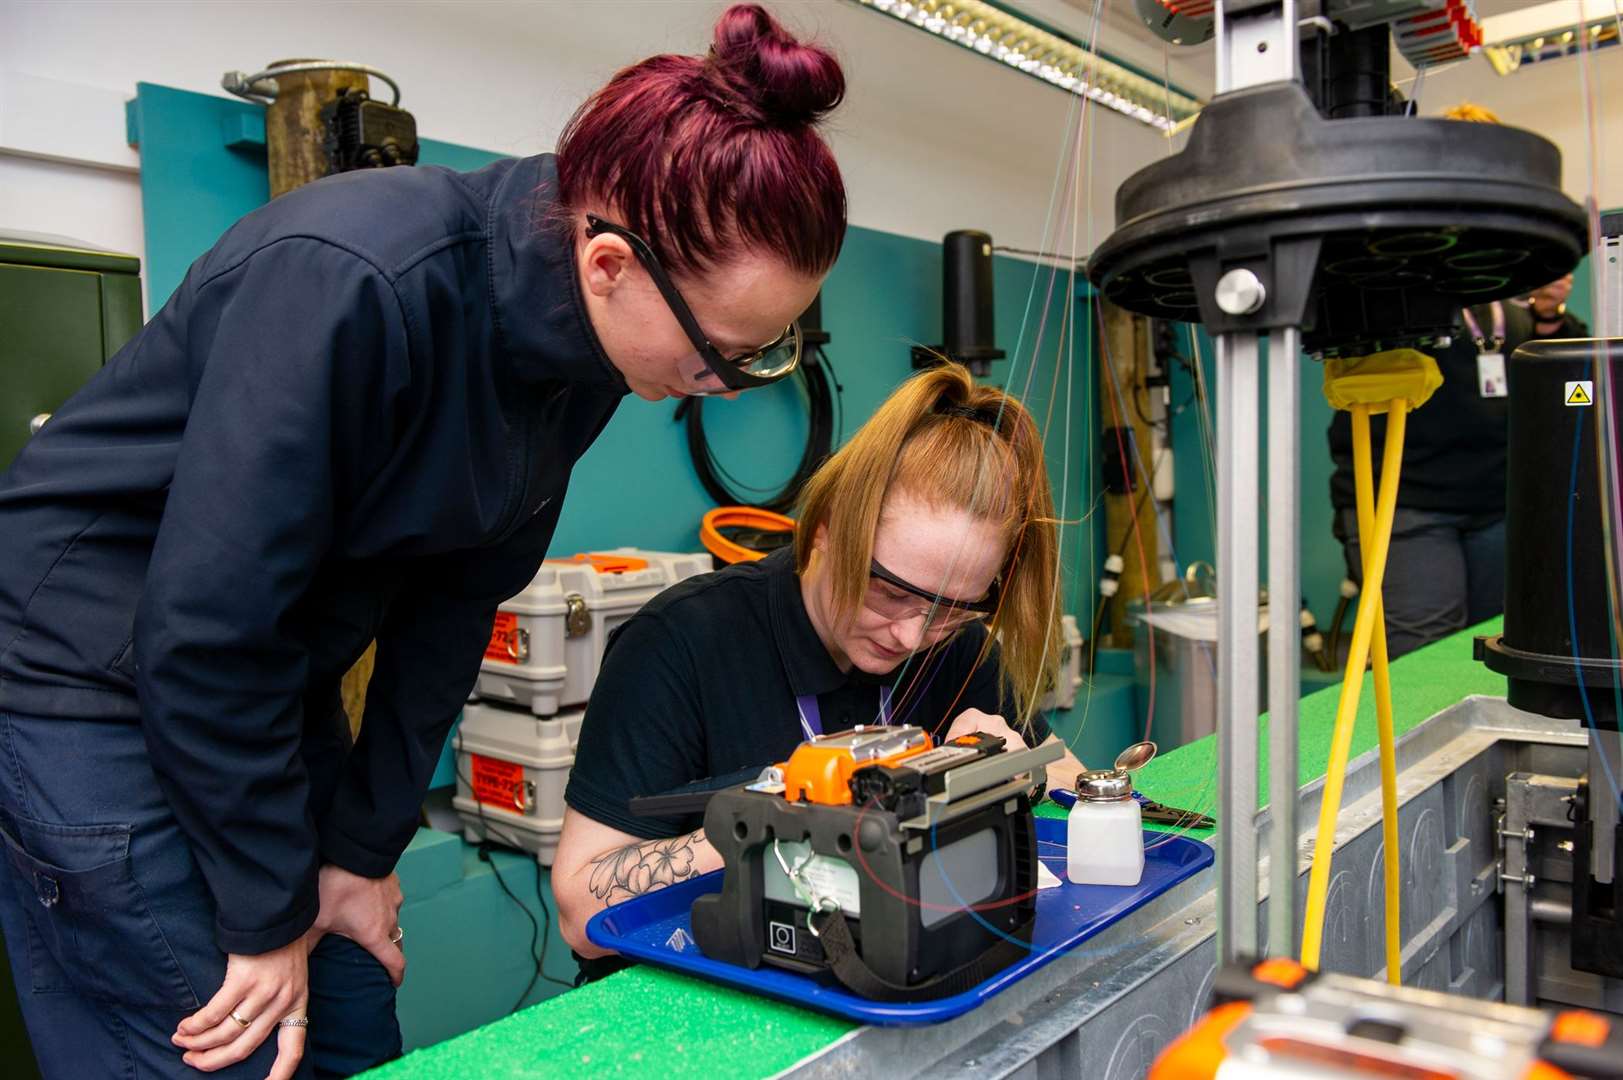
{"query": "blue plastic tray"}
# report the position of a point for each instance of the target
(1066, 917)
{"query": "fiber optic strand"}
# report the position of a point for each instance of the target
(1607, 319)
(1392, 383)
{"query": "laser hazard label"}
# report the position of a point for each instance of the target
(1580, 393)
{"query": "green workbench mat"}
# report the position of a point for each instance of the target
(640, 1022)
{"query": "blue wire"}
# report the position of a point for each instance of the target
(1572, 612)
(969, 910)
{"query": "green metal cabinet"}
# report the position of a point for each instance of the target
(64, 310)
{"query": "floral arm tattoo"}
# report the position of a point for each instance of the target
(643, 867)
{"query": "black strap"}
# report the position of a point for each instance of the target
(841, 952)
(690, 798)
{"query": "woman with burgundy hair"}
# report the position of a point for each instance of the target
(355, 420)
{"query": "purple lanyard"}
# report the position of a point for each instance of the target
(811, 717)
(1498, 338)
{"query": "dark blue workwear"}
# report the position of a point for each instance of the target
(355, 419)
(109, 927)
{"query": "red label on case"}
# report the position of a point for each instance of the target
(503, 647)
(498, 783)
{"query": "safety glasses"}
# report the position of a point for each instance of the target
(744, 371)
(941, 612)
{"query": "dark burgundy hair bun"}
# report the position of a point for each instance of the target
(787, 82)
(704, 155)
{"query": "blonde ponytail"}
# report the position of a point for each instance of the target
(946, 441)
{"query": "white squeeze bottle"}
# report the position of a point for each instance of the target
(1104, 833)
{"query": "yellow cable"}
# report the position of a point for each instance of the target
(1364, 480)
(1352, 681)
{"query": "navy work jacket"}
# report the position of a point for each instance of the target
(355, 419)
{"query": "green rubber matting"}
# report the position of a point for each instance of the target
(647, 1021)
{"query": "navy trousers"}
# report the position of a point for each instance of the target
(1444, 572)
(109, 924)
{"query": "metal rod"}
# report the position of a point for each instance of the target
(263, 88)
(1605, 769)
(1237, 651)
(1607, 260)
(1284, 639)
(1551, 911)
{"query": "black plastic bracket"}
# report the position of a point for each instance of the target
(1368, 233)
(1597, 909)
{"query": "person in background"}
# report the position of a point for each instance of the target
(1446, 568)
(354, 420)
(1547, 308)
(921, 590)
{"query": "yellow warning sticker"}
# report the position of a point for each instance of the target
(1580, 393)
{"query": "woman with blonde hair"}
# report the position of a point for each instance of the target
(921, 589)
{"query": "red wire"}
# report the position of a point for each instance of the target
(985, 905)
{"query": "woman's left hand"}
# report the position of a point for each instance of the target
(1061, 774)
(972, 720)
(258, 993)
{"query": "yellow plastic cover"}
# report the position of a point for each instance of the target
(1381, 379)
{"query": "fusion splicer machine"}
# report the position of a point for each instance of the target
(907, 870)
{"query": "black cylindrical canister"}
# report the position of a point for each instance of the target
(1556, 647)
(967, 296)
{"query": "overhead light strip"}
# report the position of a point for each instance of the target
(1023, 45)
(1549, 32)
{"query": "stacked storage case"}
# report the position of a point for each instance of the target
(1063, 696)
(515, 747)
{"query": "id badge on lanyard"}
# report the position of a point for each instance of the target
(1491, 379)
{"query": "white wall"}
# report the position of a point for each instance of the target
(931, 138)
(1547, 98)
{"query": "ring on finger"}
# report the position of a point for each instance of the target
(240, 1021)
(294, 1021)
(398, 936)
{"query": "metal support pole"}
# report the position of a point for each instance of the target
(1284, 638)
(1607, 267)
(1605, 769)
(1237, 651)
(1256, 44)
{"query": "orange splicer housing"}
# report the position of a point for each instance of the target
(820, 769)
(1275, 1019)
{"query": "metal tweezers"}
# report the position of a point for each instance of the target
(1162, 814)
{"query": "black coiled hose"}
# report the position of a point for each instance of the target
(824, 396)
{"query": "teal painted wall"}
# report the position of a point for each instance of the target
(203, 167)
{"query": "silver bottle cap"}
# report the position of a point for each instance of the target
(1104, 785)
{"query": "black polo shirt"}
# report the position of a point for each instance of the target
(702, 683)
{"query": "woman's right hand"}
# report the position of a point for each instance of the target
(262, 990)
(365, 910)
